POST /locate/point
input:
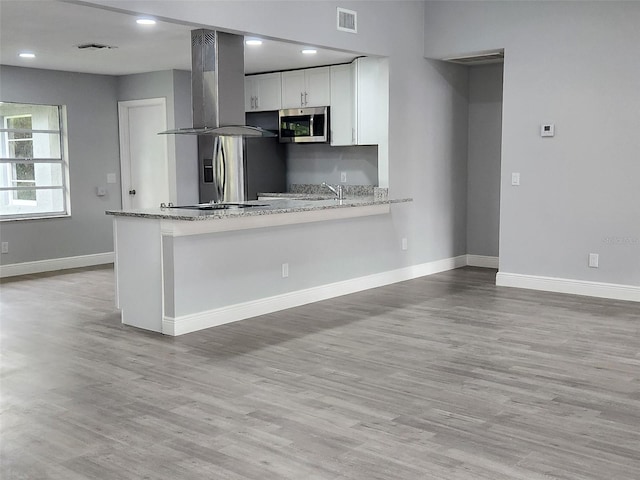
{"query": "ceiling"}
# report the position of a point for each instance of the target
(52, 30)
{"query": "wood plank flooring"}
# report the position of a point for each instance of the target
(443, 377)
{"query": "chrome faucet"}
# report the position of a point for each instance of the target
(339, 191)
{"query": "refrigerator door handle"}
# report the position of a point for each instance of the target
(218, 168)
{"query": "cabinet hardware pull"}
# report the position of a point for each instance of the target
(132, 192)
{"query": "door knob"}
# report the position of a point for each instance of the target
(132, 192)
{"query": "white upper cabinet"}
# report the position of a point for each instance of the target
(318, 85)
(306, 88)
(359, 102)
(343, 104)
(293, 89)
(372, 101)
(263, 92)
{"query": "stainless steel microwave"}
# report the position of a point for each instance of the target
(304, 125)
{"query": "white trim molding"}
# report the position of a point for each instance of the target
(482, 261)
(53, 264)
(232, 313)
(612, 291)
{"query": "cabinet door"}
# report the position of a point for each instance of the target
(318, 87)
(371, 95)
(268, 92)
(293, 87)
(249, 94)
(342, 105)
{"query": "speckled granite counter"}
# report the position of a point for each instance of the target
(259, 208)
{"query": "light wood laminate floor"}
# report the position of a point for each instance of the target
(443, 377)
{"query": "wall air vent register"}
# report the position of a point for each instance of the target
(347, 20)
(478, 59)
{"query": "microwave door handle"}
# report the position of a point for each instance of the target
(311, 131)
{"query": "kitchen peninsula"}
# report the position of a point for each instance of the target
(179, 270)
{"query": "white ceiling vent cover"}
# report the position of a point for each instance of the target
(347, 20)
(95, 46)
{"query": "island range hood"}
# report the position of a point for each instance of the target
(217, 87)
(235, 161)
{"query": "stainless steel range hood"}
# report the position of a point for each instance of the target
(217, 87)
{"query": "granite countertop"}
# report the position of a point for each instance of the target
(256, 208)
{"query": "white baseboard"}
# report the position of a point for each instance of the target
(232, 313)
(482, 261)
(54, 264)
(612, 291)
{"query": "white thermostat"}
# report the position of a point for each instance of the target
(547, 130)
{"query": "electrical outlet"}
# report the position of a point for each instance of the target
(285, 270)
(5, 247)
(547, 130)
(343, 177)
(593, 260)
(404, 244)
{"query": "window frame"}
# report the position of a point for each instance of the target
(11, 163)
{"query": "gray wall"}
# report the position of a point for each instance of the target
(428, 111)
(317, 162)
(575, 64)
(92, 121)
(92, 126)
(186, 145)
(483, 168)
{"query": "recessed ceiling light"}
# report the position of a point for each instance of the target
(309, 51)
(27, 55)
(145, 21)
(253, 42)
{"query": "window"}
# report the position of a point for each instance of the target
(33, 166)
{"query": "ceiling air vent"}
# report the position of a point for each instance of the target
(347, 20)
(95, 46)
(478, 59)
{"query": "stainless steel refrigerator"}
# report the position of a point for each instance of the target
(236, 169)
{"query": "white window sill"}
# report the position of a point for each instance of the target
(35, 217)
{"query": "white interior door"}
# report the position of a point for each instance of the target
(144, 164)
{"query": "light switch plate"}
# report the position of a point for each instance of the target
(515, 179)
(547, 130)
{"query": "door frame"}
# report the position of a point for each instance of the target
(125, 157)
